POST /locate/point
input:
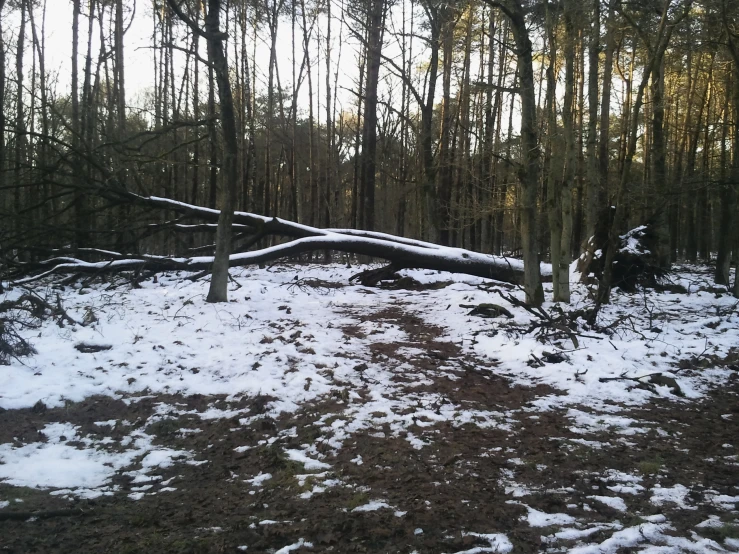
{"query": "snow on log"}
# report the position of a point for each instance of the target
(636, 263)
(403, 253)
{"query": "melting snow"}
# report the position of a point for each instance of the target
(165, 338)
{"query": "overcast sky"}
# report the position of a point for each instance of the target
(139, 56)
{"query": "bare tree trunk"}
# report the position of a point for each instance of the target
(20, 126)
(212, 141)
(688, 177)
(218, 291)
(529, 173)
(196, 112)
(552, 162)
(79, 216)
(444, 188)
(375, 22)
(580, 173)
(41, 161)
(619, 219)
(312, 182)
(3, 207)
(628, 101)
(594, 199)
(703, 209)
(88, 111)
(659, 163)
(337, 134)
(357, 206)
(465, 212)
(250, 154)
(726, 195)
(605, 107)
(294, 192)
(404, 116)
(427, 115)
(568, 119)
(328, 185)
(735, 167)
(272, 15)
(502, 177)
(120, 67)
(244, 107)
(487, 175)
(734, 234)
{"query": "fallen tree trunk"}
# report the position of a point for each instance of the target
(403, 253)
(636, 262)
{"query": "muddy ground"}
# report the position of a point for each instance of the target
(464, 480)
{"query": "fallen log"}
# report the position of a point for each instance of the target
(401, 252)
(636, 264)
(454, 260)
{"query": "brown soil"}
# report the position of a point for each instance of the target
(450, 487)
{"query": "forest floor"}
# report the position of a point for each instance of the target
(313, 415)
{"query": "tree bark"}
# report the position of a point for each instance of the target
(273, 20)
(218, 291)
(444, 188)
(619, 219)
(20, 126)
(427, 115)
(733, 42)
(735, 171)
(119, 64)
(328, 185)
(212, 141)
(604, 152)
(3, 155)
(80, 235)
(529, 173)
(594, 200)
(659, 163)
(375, 22)
(568, 120)
(552, 162)
(312, 181)
(726, 195)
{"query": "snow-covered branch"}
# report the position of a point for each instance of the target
(400, 251)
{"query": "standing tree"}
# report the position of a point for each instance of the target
(2, 111)
(593, 189)
(733, 44)
(655, 52)
(530, 168)
(375, 27)
(218, 291)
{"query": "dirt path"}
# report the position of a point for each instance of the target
(448, 457)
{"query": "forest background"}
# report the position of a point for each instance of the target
(504, 126)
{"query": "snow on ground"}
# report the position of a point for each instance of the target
(498, 543)
(165, 338)
(283, 336)
(71, 470)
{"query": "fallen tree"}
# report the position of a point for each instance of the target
(402, 253)
(635, 264)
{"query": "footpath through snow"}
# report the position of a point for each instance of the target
(309, 414)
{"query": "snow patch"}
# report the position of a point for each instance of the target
(294, 546)
(497, 542)
(82, 471)
(371, 506)
(309, 463)
(614, 502)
